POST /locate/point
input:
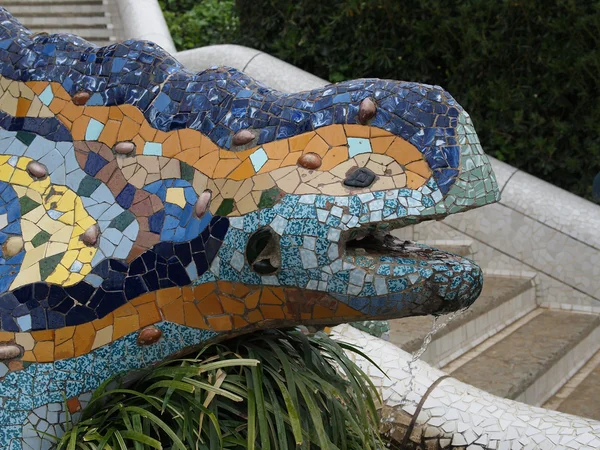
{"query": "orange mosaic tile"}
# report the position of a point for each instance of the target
(301, 141)
(277, 149)
(221, 307)
(193, 317)
(63, 351)
(333, 135)
(414, 181)
(44, 351)
(210, 305)
(420, 168)
(83, 338)
(231, 305)
(254, 316)
(23, 105)
(125, 325)
(317, 145)
(73, 405)
(272, 312)
(173, 311)
(63, 335)
(357, 131)
(252, 299)
(334, 157)
(380, 145)
(220, 323)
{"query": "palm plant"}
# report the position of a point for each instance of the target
(271, 390)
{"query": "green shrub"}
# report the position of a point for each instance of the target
(198, 23)
(270, 390)
(527, 71)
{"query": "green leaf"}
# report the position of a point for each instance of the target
(315, 416)
(210, 388)
(141, 438)
(260, 405)
(176, 441)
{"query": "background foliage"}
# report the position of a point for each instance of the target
(527, 71)
(196, 23)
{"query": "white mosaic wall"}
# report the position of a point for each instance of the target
(455, 415)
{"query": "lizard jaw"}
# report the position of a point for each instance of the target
(412, 271)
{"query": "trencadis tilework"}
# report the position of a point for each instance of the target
(136, 194)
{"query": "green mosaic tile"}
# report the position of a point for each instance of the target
(122, 221)
(187, 171)
(47, 265)
(41, 238)
(270, 197)
(225, 207)
(27, 204)
(25, 137)
(88, 186)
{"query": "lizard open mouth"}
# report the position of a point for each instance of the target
(377, 267)
(406, 269)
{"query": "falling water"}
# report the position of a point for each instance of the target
(439, 322)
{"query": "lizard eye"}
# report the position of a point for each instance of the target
(262, 251)
(361, 178)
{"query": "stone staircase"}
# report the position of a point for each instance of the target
(95, 20)
(509, 346)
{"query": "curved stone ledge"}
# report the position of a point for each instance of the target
(266, 68)
(143, 19)
(438, 411)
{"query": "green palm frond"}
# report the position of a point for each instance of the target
(273, 390)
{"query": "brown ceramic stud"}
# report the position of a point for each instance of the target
(242, 137)
(12, 246)
(90, 236)
(149, 336)
(81, 98)
(36, 169)
(367, 110)
(310, 161)
(9, 351)
(203, 203)
(124, 148)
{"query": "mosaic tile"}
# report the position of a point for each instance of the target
(206, 204)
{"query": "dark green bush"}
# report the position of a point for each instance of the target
(527, 71)
(198, 23)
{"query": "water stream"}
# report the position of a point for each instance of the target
(439, 323)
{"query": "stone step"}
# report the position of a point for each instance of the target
(532, 362)
(70, 22)
(574, 396)
(91, 34)
(579, 404)
(458, 247)
(8, 4)
(503, 300)
(50, 10)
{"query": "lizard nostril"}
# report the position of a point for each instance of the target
(361, 178)
(262, 251)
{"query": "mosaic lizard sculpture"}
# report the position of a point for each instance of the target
(145, 209)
